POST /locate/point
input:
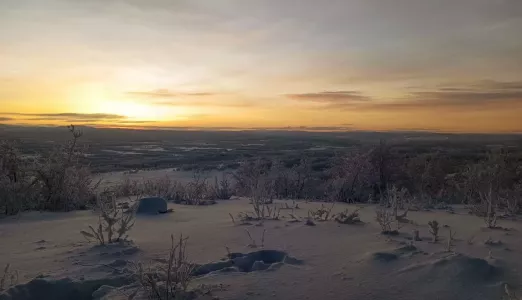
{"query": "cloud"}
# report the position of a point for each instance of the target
(3, 119)
(475, 95)
(167, 98)
(331, 99)
(66, 117)
(491, 84)
(136, 122)
(307, 128)
(163, 93)
(460, 98)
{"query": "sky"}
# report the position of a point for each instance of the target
(436, 65)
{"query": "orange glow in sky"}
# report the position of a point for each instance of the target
(355, 64)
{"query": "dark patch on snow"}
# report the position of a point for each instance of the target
(387, 256)
(62, 289)
(124, 248)
(454, 269)
(392, 232)
(249, 262)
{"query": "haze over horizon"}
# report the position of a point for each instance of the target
(453, 66)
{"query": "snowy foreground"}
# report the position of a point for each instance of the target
(336, 261)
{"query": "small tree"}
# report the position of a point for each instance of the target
(485, 182)
(113, 222)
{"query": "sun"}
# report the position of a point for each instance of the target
(134, 111)
(96, 99)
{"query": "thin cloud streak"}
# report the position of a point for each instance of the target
(476, 95)
(197, 99)
(61, 116)
(331, 99)
(167, 94)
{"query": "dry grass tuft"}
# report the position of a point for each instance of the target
(415, 235)
(434, 230)
(347, 217)
(321, 214)
(171, 280)
(510, 294)
(8, 278)
(490, 242)
(450, 242)
(253, 243)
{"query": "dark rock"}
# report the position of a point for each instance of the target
(152, 206)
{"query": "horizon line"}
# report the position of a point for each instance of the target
(311, 129)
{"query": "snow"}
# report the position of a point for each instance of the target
(339, 261)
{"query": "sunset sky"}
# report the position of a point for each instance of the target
(439, 65)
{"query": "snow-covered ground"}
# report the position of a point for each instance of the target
(340, 261)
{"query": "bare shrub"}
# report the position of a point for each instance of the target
(55, 181)
(347, 217)
(294, 218)
(415, 235)
(511, 200)
(261, 199)
(385, 219)
(488, 207)
(450, 241)
(381, 158)
(8, 278)
(222, 189)
(128, 188)
(350, 179)
(164, 187)
(171, 280)
(510, 294)
(490, 242)
(484, 184)
(434, 230)
(244, 218)
(309, 222)
(397, 199)
(65, 184)
(427, 178)
(196, 190)
(321, 214)
(250, 174)
(17, 186)
(286, 206)
(113, 223)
